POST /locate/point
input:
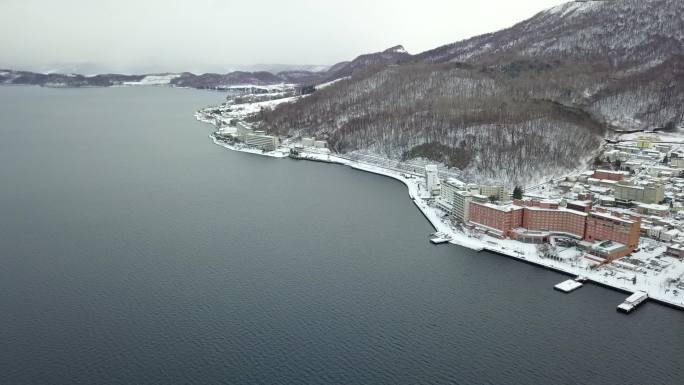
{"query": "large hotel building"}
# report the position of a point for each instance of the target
(601, 233)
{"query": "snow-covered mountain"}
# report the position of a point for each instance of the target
(518, 105)
(66, 80)
(392, 55)
(629, 55)
(624, 33)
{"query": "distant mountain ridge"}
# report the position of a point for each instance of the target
(185, 79)
(392, 55)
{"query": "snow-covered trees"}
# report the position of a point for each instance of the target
(492, 126)
(516, 106)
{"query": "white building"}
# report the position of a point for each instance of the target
(669, 236)
(657, 170)
(260, 140)
(432, 178)
(499, 192)
(308, 142)
(461, 205)
(613, 155)
(320, 144)
(448, 189)
(243, 131)
(677, 162)
(655, 231)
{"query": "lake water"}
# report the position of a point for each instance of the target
(135, 251)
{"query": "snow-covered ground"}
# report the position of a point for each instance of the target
(230, 112)
(281, 87)
(242, 110)
(154, 80)
(279, 153)
(328, 84)
(669, 137)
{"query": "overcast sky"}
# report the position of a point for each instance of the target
(214, 35)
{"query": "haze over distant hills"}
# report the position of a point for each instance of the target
(259, 74)
(92, 68)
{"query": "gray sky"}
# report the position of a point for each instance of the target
(215, 35)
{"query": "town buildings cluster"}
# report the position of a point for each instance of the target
(636, 190)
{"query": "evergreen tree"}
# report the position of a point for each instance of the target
(517, 192)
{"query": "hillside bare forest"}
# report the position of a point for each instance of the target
(516, 106)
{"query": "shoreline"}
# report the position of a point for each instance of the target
(508, 248)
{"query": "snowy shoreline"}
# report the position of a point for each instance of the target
(513, 249)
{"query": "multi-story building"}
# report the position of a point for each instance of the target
(602, 182)
(645, 142)
(632, 165)
(619, 230)
(677, 163)
(461, 205)
(675, 250)
(556, 221)
(646, 193)
(546, 217)
(603, 234)
(578, 205)
(448, 189)
(243, 131)
(610, 175)
(499, 192)
(432, 178)
(447, 193)
(653, 209)
(260, 140)
(499, 219)
(659, 170)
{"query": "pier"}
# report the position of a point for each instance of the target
(438, 238)
(632, 302)
(568, 286)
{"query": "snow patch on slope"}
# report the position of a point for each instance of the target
(154, 80)
(576, 6)
(328, 84)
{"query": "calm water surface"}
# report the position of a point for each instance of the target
(134, 251)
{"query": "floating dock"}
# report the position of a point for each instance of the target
(438, 238)
(632, 302)
(568, 286)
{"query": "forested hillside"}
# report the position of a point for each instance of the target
(517, 105)
(483, 123)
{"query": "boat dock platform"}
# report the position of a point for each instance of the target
(568, 286)
(632, 302)
(438, 238)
